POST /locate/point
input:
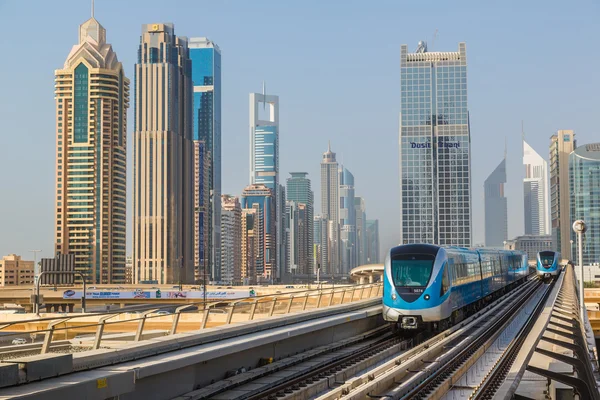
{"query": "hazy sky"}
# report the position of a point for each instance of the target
(335, 67)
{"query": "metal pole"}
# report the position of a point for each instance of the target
(581, 291)
(579, 227)
(37, 295)
(35, 269)
(204, 287)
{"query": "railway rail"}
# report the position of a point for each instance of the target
(408, 373)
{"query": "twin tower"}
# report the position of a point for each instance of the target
(176, 157)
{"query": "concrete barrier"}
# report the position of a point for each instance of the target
(166, 367)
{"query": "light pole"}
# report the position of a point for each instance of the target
(35, 268)
(579, 227)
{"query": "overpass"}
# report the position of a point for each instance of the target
(368, 273)
(68, 298)
(329, 344)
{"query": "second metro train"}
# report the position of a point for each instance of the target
(548, 264)
(432, 287)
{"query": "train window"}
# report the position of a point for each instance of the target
(547, 258)
(445, 280)
(412, 269)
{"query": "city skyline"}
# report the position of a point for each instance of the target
(39, 214)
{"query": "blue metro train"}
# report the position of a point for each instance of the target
(548, 264)
(433, 287)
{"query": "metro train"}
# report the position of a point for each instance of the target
(432, 287)
(548, 264)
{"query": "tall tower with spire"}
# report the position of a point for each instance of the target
(92, 97)
(330, 209)
(264, 159)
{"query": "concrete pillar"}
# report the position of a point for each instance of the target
(71, 306)
(63, 307)
(56, 308)
(122, 305)
(371, 278)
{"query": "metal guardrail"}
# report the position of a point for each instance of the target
(566, 322)
(247, 309)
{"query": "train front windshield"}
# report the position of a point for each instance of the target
(547, 258)
(412, 269)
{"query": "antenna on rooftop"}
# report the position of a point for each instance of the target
(92, 8)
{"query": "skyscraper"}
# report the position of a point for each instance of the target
(535, 190)
(261, 197)
(347, 215)
(361, 229)
(372, 241)
(320, 244)
(163, 204)
(299, 248)
(206, 77)
(330, 210)
(584, 179)
(298, 189)
(92, 97)
(251, 250)
(435, 147)
(561, 145)
(496, 214)
(264, 158)
(202, 213)
(231, 240)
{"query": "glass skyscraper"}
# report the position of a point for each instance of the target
(584, 183)
(496, 212)
(264, 161)
(299, 191)
(435, 147)
(347, 215)
(206, 77)
(372, 241)
(535, 191)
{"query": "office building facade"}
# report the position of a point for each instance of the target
(562, 143)
(584, 182)
(361, 229)
(203, 235)
(435, 173)
(535, 191)
(530, 244)
(298, 189)
(231, 240)
(347, 215)
(320, 243)
(373, 242)
(496, 212)
(163, 203)
(92, 97)
(15, 272)
(206, 76)
(251, 245)
(264, 160)
(261, 197)
(330, 211)
(298, 236)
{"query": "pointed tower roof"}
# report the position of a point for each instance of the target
(92, 29)
(329, 156)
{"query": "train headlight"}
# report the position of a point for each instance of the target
(394, 297)
(427, 297)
